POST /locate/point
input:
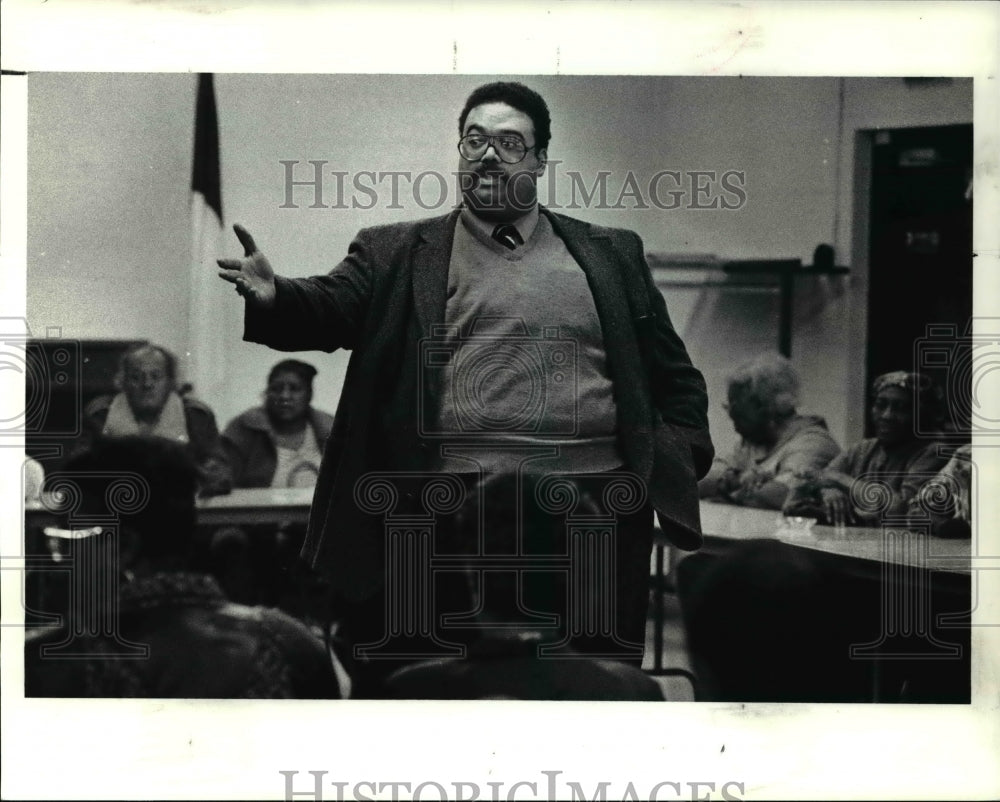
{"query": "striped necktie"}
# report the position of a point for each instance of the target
(508, 236)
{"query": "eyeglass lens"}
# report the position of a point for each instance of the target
(510, 149)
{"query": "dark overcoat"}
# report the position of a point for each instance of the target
(389, 293)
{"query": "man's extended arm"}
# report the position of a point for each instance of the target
(317, 313)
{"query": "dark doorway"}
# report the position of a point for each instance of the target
(920, 242)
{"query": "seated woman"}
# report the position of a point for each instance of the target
(777, 443)
(281, 443)
(149, 404)
(894, 458)
(946, 500)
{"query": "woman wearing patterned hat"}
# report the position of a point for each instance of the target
(879, 475)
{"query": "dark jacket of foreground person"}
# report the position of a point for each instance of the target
(508, 668)
(141, 621)
(193, 643)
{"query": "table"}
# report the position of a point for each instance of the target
(871, 554)
(243, 507)
(248, 506)
(256, 506)
(907, 594)
(864, 551)
(720, 523)
(728, 522)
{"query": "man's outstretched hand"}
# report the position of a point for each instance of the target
(252, 274)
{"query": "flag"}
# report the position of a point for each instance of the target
(205, 180)
(213, 313)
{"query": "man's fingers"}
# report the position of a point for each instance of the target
(249, 246)
(229, 276)
(229, 264)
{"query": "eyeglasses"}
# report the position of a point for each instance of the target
(509, 149)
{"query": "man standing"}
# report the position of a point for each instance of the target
(500, 337)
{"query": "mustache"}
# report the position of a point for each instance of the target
(491, 167)
(469, 179)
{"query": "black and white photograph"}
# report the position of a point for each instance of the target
(472, 413)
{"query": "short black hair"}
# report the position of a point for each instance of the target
(517, 96)
(145, 483)
(303, 370)
(514, 513)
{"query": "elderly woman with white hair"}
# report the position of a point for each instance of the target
(777, 443)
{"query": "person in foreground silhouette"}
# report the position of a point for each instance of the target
(518, 651)
(144, 623)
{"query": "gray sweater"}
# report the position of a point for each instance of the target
(522, 364)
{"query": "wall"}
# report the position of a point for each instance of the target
(110, 159)
(871, 104)
(108, 221)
